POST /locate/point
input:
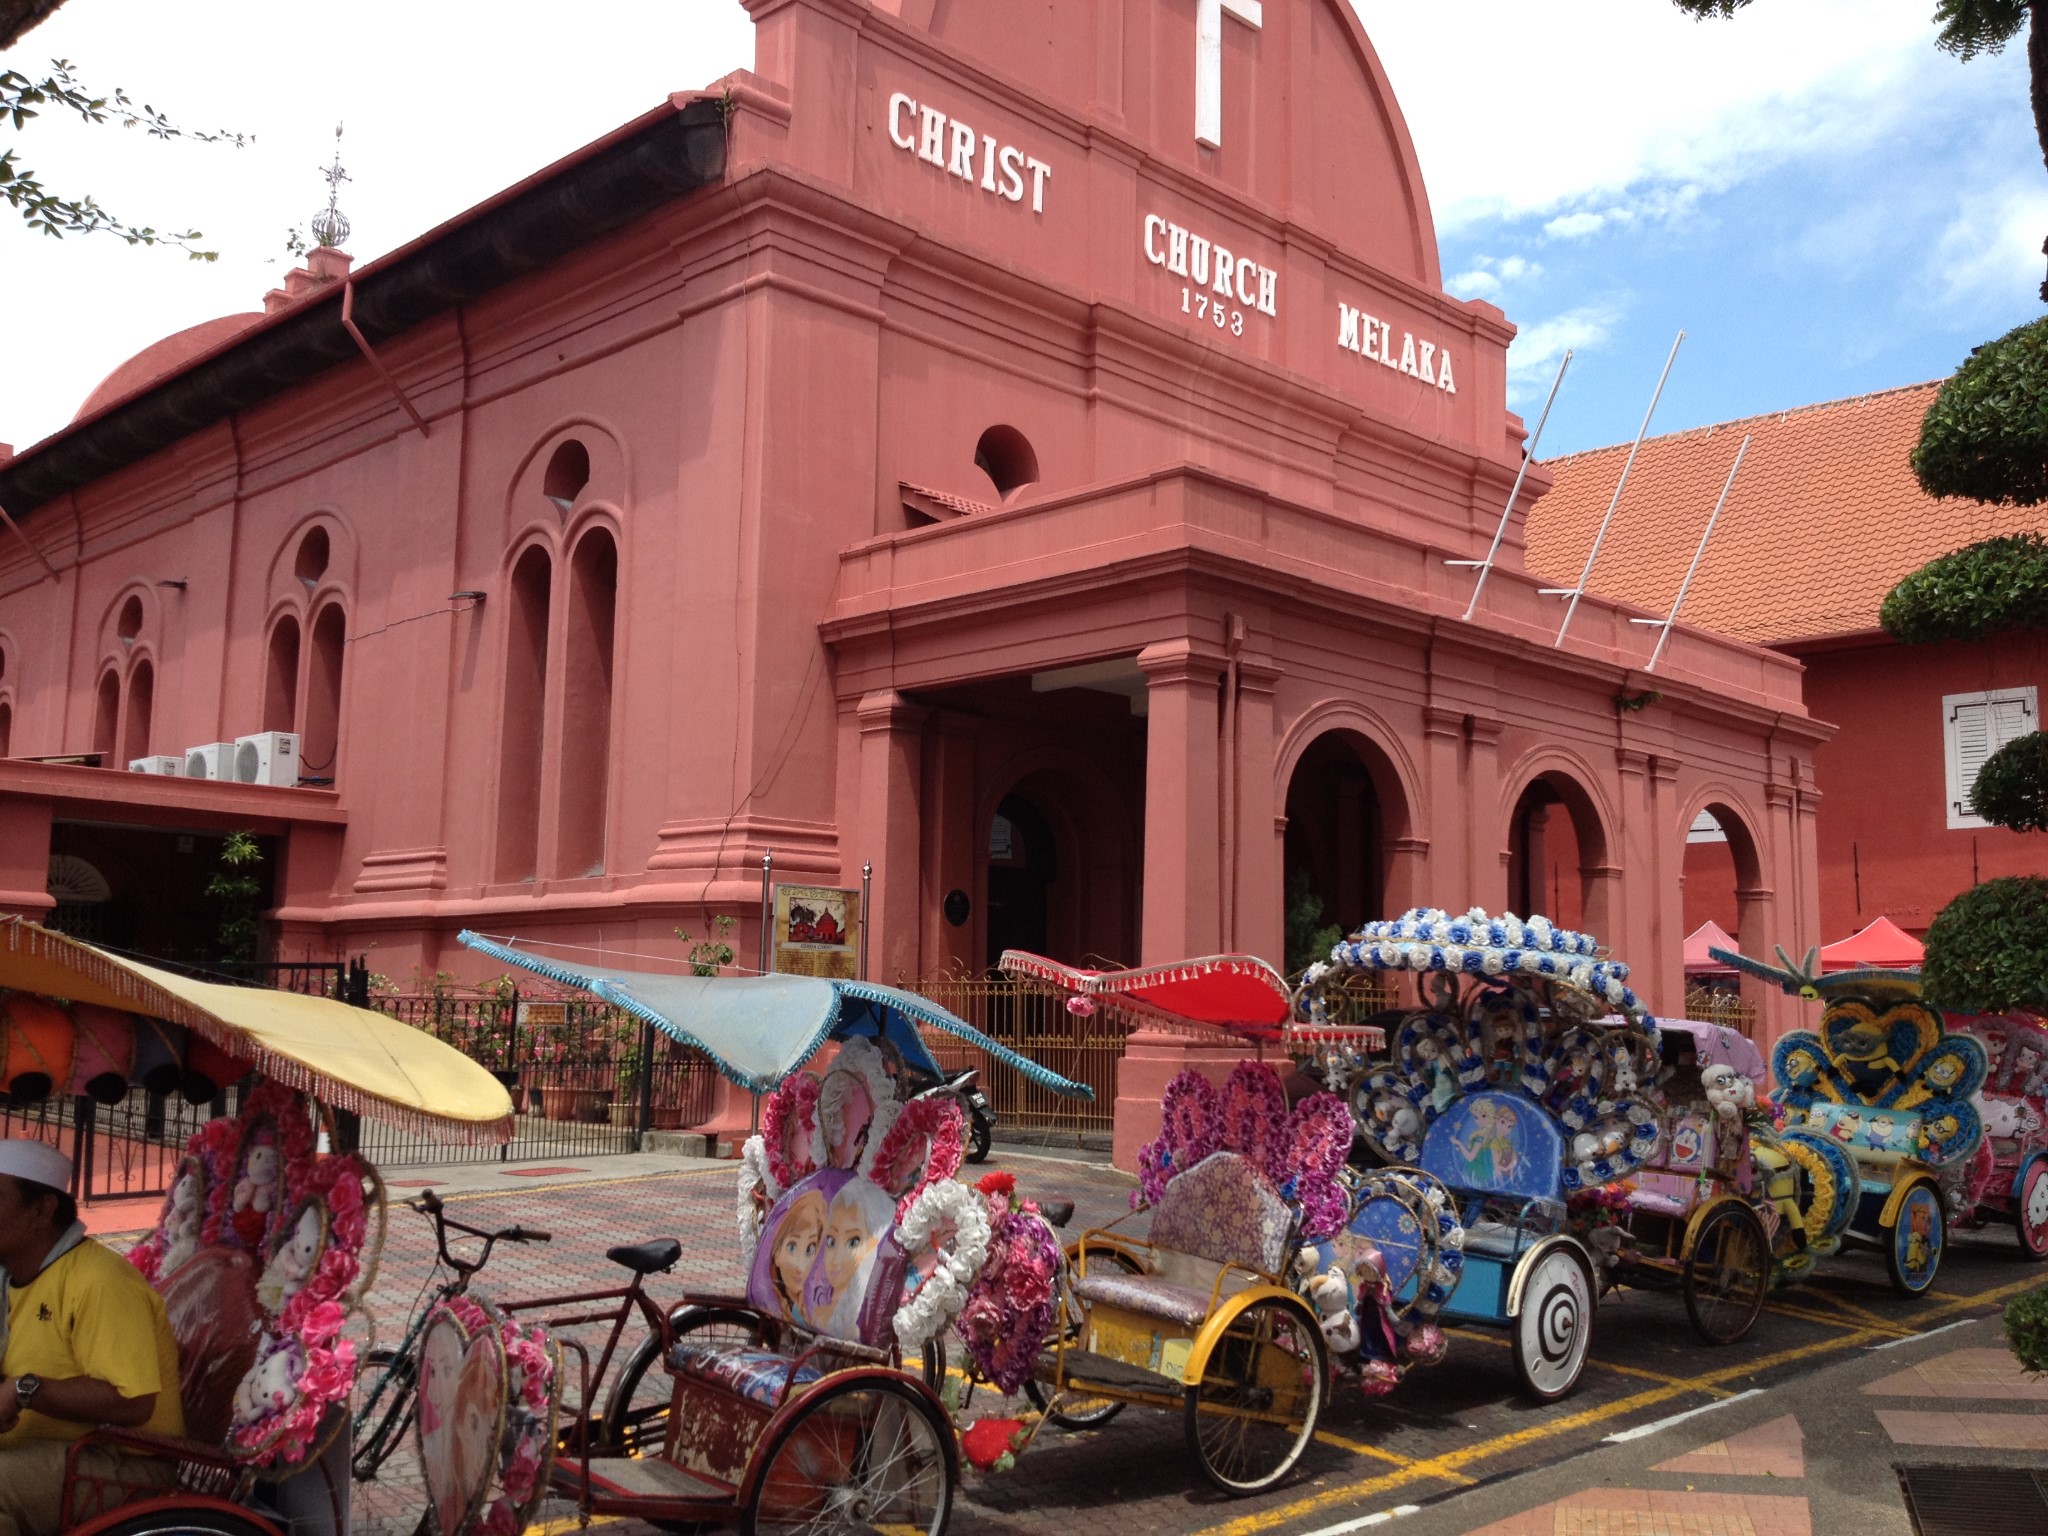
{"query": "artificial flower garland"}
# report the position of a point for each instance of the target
(789, 1123)
(922, 1147)
(1009, 1309)
(1300, 1153)
(950, 1221)
(858, 1058)
(758, 1191)
(533, 1400)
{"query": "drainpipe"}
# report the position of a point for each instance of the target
(1226, 783)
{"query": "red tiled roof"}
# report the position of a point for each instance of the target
(1825, 519)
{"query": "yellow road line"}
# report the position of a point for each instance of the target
(571, 1523)
(1806, 1314)
(1843, 1304)
(1407, 1463)
(1503, 1342)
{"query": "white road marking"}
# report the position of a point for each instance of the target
(1643, 1431)
(1398, 1512)
(1912, 1338)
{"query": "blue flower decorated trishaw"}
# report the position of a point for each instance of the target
(1882, 1097)
(1518, 1096)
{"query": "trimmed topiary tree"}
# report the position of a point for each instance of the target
(1987, 951)
(1989, 587)
(1985, 436)
(2012, 787)
(2026, 1329)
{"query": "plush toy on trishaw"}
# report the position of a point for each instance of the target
(1886, 1095)
(809, 1402)
(1518, 1100)
(1219, 1307)
(264, 1246)
(2007, 1178)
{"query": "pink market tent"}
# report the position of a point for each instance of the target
(1883, 946)
(1709, 935)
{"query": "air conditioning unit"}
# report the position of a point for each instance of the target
(271, 757)
(215, 760)
(173, 767)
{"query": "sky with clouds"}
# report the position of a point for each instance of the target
(1826, 203)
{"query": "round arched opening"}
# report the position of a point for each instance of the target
(129, 624)
(311, 562)
(1023, 870)
(1723, 884)
(1344, 812)
(567, 474)
(1005, 455)
(1557, 855)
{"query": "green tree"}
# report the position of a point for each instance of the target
(23, 99)
(19, 16)
(235, 886)
(1987, 951)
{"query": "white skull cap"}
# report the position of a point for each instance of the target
(36, 1161)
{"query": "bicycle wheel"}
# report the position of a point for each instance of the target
(1727, 1274)
(636, 1412)
(865, 1454)
(1081, 1411)
(384, 1422)
(168, 1517)
(1255, 1408)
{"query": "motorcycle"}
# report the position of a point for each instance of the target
(963, 1086)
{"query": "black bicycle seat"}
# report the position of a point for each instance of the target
(647, 1258)
(1058, 1212)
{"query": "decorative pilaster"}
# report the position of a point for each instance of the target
(1182, 913)
(891, 767)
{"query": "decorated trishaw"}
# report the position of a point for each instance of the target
(1880, 1102)
(1228, 1305)
(809, 1401)
(265, 1244)
(1518, 1099)
(2007, 1178)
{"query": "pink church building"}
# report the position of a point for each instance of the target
(1022, 449)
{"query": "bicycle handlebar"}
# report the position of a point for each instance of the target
(430, 1205)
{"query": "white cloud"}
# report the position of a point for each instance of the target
(1515, 268)
(1991, 248)
(1575, 226)
(1491, 277)
(1539, 348)
(1629, 107)
(1476, 284)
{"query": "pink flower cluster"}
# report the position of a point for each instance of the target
(1190, 1128)
(1009, 1310)
(788, 1120)
(923, 1146)
(532, 1379)
(1304, 1150)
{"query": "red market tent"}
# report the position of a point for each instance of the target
(1709, 935)
(1884, 945)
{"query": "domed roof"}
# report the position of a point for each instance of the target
(163, 357)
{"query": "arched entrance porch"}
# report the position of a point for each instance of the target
(1557, 854)
(1346, 845)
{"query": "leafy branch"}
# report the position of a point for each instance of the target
(22, 99)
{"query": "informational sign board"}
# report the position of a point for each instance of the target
(817, 932)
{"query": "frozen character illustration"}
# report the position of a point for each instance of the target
(184, 1215)
(861, 1215)
(295, 1258)
(795, 1232)
(255, 1193)
(1476, 1147)
(1846, 1124)
(1506, 1154)
(462, 1410)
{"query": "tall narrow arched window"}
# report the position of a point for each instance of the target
(106, 718)
(587, 704)
(281, 677)
(6, 728)
(525, 719)
(141, 705)
(321, 717)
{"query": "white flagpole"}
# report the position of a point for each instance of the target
(1528, 458)
(1697, 555)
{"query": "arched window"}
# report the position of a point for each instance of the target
(525, 719)
(587, 704)
(130, 622)
(281, 677)
(6, 728)
(106, 718)
(321, 741)
(311, 562)
(567, 473)
(1006, 456)
(141, 705)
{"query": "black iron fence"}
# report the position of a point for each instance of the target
(120, 1150)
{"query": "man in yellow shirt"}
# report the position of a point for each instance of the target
(83, 1344)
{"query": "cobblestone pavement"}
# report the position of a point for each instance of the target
(1444, 1429)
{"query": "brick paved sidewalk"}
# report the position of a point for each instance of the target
(1958, 1412)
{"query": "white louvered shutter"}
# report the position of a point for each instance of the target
(1975, 725)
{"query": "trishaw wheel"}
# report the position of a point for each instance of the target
(1912, 1248)
(867, 1453)
(1251, 1415)
(636, 1412)
(1554, 1328)
(167, 1519)
(977, 1141)
(1727, 1274)
(1079, 1411)
(389, 1424)
(2030, 1210)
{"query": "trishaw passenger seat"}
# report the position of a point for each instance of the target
(1223, 1210)
(647, 1258)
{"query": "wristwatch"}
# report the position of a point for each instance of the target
(26, 1386)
